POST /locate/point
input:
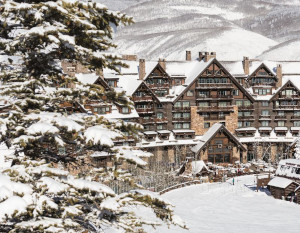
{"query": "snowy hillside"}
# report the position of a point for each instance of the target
(167, 28)
(285, 51)
(227, 208)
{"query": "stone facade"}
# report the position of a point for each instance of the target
(197, 122)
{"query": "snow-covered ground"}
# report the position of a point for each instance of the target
(222, 207)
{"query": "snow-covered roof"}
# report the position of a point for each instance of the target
(183, 131)
(170, 142)
(281, 128)
(150, 132)
(210, 133)
(295, 128)
(269, 64)
(198, 166)
(164, 131)
(115, 114)
(265, 128)
(129, 83)
(87, 78)
(280, 182)
(246, 129)
(235, 68)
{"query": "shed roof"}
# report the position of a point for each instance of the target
(280, 182)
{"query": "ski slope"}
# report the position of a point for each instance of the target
(222, 207)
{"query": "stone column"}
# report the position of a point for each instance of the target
(197, 122)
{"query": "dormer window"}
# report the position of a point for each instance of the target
(125, 110)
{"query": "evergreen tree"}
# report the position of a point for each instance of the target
(35, 90)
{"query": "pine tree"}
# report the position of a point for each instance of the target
(42, 34)
(297, 149)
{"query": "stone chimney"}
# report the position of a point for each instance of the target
(246, 65)
(279, 75)
(142, 69)
(162, 63)
(206, 56)
(201, 56)
(188, 55)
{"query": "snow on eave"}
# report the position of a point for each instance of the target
(280, 182)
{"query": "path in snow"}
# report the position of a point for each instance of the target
(227, 208)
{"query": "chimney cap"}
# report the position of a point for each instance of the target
(213, 53)
(206, 53)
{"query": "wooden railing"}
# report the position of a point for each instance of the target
(141, 98)
(215, 108)
(181, 119)
(248, 107)
(214, 85)
(215, 97)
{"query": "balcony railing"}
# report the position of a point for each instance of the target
(148, 121)
(214, 118)
(144, 110)
(280, 117)
(287, 107)
(227, 108)
(201, 97)
(181, 108)
(142, 98)
(161, 120)
(250, 117)
(214, 85)
(181, 119)
(248, 107)
(159, 86)
(295, 117)
(289, 96)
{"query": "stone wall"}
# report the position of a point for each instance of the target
(231, 121)
(235, 154)
(197, 122)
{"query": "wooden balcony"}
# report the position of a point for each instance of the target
(150, 120)
(246, 118)
(145, 110)
(280, 117)
(142, 99)
(287, 107)
(246, 108)
(181, 109)
(221, 97)
(227, 108)
(161, 120)
(159, 86)
(295, 118)
(214, 86)
(181, 119)
(288, 97)
(214, 118)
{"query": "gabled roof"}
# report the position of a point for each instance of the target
(262, 65)
(198, 71)
(281, 182)
(211, 133)
(91, 78)
(151, 66)
(129, 83)
(284, 86)
(144, 84)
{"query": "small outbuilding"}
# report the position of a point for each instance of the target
(283, 188)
